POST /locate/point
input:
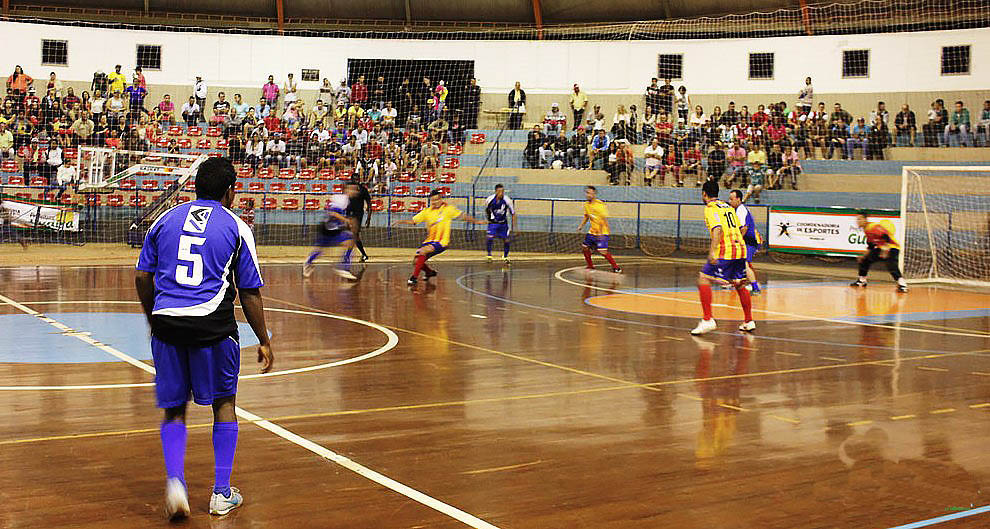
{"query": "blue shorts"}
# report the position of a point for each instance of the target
(598, 242)
(208, 372)
(437, 247)
(750, 252)
(500, 231)
(326, 240)
(726, 270)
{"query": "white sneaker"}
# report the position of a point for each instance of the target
(176, 500)
(748, 326)
(308, 269)
(220, 505)
(506, 260)
(346, 274)
(705, 326)
(489, 259)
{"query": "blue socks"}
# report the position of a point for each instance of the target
(756, 286)
(506, 249)
(488, 245)
(313, 256)
(224, 446)
(345, 260)
(173, 434)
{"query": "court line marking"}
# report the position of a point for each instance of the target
(500, 469)
(293, 438)
(946, 518)
(559, 275)
(391, 343)
(460, 283)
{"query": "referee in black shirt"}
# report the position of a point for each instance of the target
(356, 210)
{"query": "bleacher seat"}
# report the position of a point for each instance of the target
(162, 142)
(15, 180)
(194, 131)
(307, 174)
(326, 174)
(37, 181)
(290, 204)
(149, 185)
(338, 188)
(70, 152)
(445, 190)
(454, 150)
(377, 205)
(215, 154)
(416, 206)
(287, 173)
(401, 190)
(94, 200)
(451, 163)
(477, 138)
(213, 132)
(256, 186)
(184, 198)
(345, 175)
(311, 204)
(319, 188)
(397, 206)
(267, 172)
(222, 143)
(128, 184)
(238, 186)
(406, 177)
(297, 187)
(422, 191)
(190, 186)
(115, 201)
(245, 172)
(184, 143)
(23, 196)
(138, 201)
(276, 186)
(8, 166)
(204, 143)
(448, 178)
(269, 203)
(428, 177)
(243, 202)
(175, 130)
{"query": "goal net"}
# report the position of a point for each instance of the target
(946, 214)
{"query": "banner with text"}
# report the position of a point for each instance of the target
(823, 231)
(22, 214)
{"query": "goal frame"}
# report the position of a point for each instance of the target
(933, 272)
(104, 182)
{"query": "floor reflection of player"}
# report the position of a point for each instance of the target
(719, 397)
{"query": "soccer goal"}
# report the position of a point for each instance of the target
(946, 214)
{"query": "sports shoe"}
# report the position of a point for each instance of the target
(412, 281)
(346, 274)
(308, 269)
(858, 283)
(748, 326)
(221, 505)
(176, 500)
(364, 258)
(506, 259)
(704, 326)
(902, 289)
(429, 273)
(617, 270)
(490, 258)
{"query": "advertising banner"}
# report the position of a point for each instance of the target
(23, 214)
(823, 231)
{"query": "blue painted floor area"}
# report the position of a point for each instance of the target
(37, 342)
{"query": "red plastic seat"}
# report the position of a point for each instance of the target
(377, 205)
(238, 186)
(256, 186)
(451, 163)
(267, 172)
(215, 154)
(194, 131)
(428, 177)
(287, 173)
(445, 190)
(23, 196)
(477, 138)
(184, 198)
(319, 188)
(149, 185)
(128, 184)
(138, 201)
(94, 200)
(276, 186)
(204, 144)
(245, 172)
(70, 152)
(37, 181)
(15, 180)
(269, 203)
(338, 188)
(454, 150)
(297, 187)
(397, 206)
(422, 191)
(213, 132)
(162, 142)
(448, 178)
(190, 185)
(311, 204)
(307, 174)
(417, 206)
(175, 130)
(401, 190)
(184, 143)
(345, 175)
(115, 201)
(243, 202)
(326, 174)
(290, 204)
(406, 177)
(222, 143)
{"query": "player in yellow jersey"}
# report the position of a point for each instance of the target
(726, 259)
(596, 213)
(881, 245)
(438, 218)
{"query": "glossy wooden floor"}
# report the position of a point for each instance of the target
(511, 398)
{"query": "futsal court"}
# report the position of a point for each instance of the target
(530, 395)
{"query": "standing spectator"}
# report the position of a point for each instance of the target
(326, 90)
(344, 93)
(653, 96)
(654, 161)
(379, 91)
(579, 103)
(555, 121)
(117, 80)
(517, 104)
(269, 92)
(291, 91)
(984, 123)
(905, 125)
(116, 111)
(166, 110)
(577, 149)
(359, 92)
(534, 140)
(54, 85)
(716, 163)
(649, 125)
(100, 83)
(958, 125)
(199, 92)
(19, 82)
(877, 139)
(238, 111)
(139, 78)
(136, 100)
(806, 96)
(667, 97)
(190, 112)
(880, 112)
(472, 104)
(599, 147)
(683, 104)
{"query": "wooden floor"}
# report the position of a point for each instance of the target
(503, 396)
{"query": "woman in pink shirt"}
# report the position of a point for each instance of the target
(270, 91)
(791, 168)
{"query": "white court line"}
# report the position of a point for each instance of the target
(293, 438)
(559, 275)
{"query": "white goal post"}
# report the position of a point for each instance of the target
(946, 212)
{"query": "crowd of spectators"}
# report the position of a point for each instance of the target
(372, 128)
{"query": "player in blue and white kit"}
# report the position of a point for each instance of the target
(336, 230)
(196, 258)
(499, 208)
(751, 236)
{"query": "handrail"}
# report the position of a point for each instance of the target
(494, 149)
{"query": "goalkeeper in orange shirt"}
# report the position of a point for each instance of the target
(881, 246)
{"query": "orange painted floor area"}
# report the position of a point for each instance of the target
(795, 303)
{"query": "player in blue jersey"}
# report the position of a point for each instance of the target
(751, 236)
(336, 230)
(196, 258)
(499, 209)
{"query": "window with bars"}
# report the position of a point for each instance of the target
(761, 65)
(149, 57)
(55, 52)
(955, 60)
(856, 63)
(670, 66)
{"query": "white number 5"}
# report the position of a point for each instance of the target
(183, 274)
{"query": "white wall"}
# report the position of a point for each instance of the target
(900, 62)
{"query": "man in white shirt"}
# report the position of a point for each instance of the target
(350, 152)
(254, 151)
(199, 92)
(290, 91)
(361, 135)
(275, 150)
(66, 175)
(190, 112)
(389, 114)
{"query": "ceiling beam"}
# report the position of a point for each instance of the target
(6, 7)
(408, 16)
(280, 13)
(538, 18)
(806, 17)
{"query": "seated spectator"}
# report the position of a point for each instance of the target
(191, 112)
(235, 149)
(698, 119)
(70, 100)
(610, 157)
(254, 151)
(633, 124)
(354, 112)
(559, 145)
(880, 112)
(438, 129)
(958, 125)
(262, 109)
(838, 114)
(857, 139)
(165, 111)
(238, 111)
(82, 129)
(672, 164)
(430, 156)
(276, 151)
(625, 162)
(577, 149)
(736, 157)
(938, 119)
(801, 139)
(790, 170)
(838, 134)
(877, 139)
(6, 143)
(531, 153)
(411, 159)
(620, 123)
(457, 132)
(777, 133)
(546, 154)
(654, 162)
(818, 136)
(66, 175)
(692, 163)
(599, 147)
(757, 176)
(716, 163)
(389, 116)
(34, 159)
(775, 162)
(760, 117)
(596, 120)
(374, 113)
(53, 160)
(984, 123)
(905, 125)
(649, 125)
(555, 121)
